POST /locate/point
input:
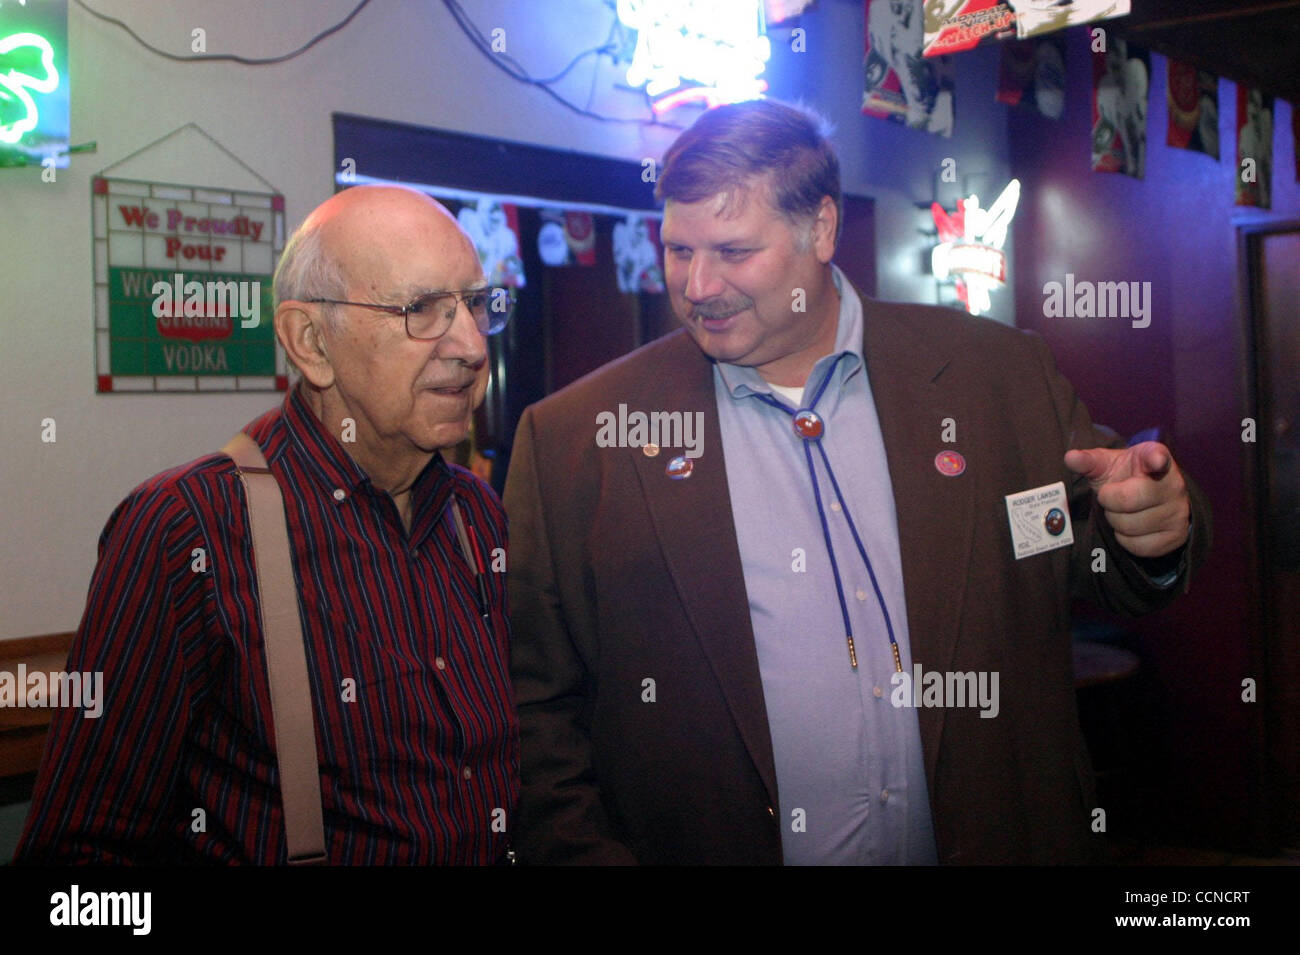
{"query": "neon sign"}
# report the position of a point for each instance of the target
(970, 246)
(15, 83)
(709, 50)
(34, 113)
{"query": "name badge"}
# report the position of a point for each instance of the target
(1040, 520)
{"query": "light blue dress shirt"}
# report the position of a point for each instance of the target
(849, 766)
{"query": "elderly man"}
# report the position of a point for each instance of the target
(838, 631)
(382, 307)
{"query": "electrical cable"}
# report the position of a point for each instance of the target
(512, 68)
(232, 57)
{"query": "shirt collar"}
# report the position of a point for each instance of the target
(742, 381)
(325, 458)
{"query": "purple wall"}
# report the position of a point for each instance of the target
(1177, 229)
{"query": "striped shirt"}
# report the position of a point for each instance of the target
(416, 733)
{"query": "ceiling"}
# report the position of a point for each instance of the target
(1255, 42)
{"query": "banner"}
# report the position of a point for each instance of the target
(901, 85)
(955, 25)
(1121, 83)
(1032, 74)
(1193, 109)
(1254, 148)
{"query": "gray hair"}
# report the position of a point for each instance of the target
(306, 270)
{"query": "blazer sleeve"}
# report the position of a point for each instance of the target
(561, 817)
(1128, 584)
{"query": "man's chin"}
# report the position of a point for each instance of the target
(724, 345)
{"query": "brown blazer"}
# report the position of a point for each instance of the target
(618, 575)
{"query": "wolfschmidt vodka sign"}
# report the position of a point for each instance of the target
(183, 287)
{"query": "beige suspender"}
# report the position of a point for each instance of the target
(286, 660)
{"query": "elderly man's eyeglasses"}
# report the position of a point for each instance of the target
(431, 315)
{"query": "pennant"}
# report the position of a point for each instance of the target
(1032, 74)
(1120, 87)
(636, 255)
(900, 84)
(552, 242)
(493, 227)
(1254, 148)
(580, 233)
(1193, 109)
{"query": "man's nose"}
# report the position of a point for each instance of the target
(463, 340)
(703, 280)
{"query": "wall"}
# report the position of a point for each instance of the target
(1177, 229)
(405, 61)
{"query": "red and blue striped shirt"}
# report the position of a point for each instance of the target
(417, 738)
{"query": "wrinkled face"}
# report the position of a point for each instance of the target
(406, 394)
(734, 268)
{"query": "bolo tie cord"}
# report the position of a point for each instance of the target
(810, 427)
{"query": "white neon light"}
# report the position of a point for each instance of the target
(971, 252)
(16, 83)
(721, 45)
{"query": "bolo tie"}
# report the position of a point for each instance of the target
(811, 428)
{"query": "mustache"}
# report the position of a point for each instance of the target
(721, 308)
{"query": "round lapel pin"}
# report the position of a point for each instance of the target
(680, 467)
(949, 463)
(650, 450)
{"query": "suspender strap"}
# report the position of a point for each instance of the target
(286, 660)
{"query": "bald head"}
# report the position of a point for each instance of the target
(341, 243)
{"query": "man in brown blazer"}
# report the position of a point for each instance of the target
(706, 645)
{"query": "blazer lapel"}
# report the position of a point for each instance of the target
(692, 518)
(934, 510)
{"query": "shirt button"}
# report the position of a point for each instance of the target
(835, 506)
(862, 594)
(467, 772)
(884, 795)
(440, 663)
(877, 692)
(339, 494)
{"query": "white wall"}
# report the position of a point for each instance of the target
(400, 59)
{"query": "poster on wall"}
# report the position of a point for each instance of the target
(1121, 82)
(901, 85)
(1193, 109)
(1032, 75)
(1254, 148)
(183, 287)
(955, 25)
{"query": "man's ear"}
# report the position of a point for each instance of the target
(825, 225)
(297, 326)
